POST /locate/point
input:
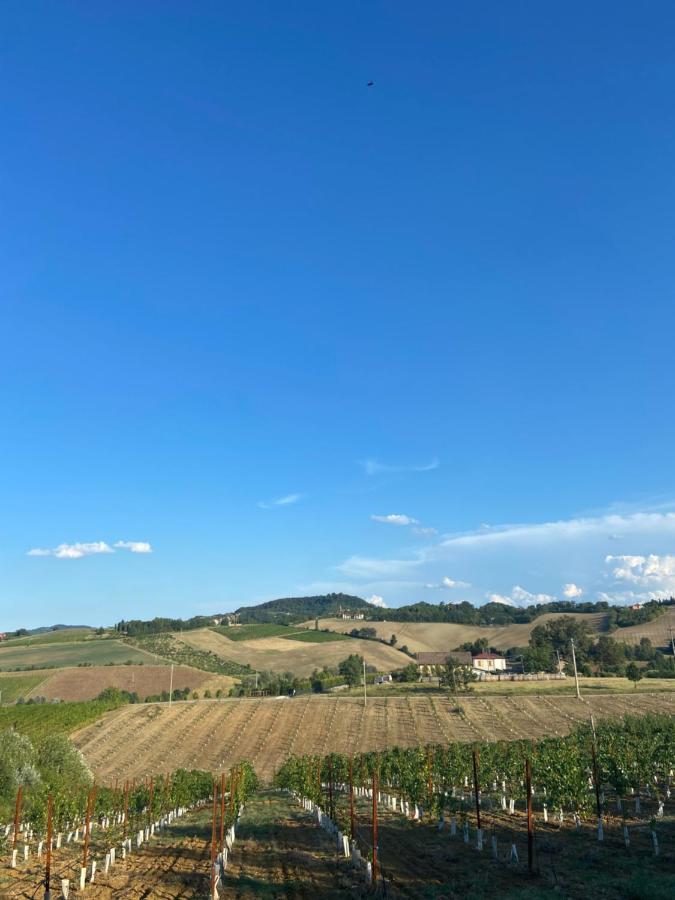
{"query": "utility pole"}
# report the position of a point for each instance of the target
(171, 686)
(576, 674)
(365, 694)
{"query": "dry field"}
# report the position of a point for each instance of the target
(140, 740)
(656, 630)
(87, 683)
(422, 636)
(281, 655)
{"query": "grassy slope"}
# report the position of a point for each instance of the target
(15, 686)
(55, 656)
(62, 636)
(252, 632)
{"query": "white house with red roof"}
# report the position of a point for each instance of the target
(489, 662)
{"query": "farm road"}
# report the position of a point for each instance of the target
(281, 852)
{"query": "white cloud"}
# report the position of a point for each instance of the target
(287, 500)
(520, 597)
(376, 600)
(73, 551)
(395, 519)
(449, 583)
(374, 467)
(652, 571)
(134, 546)
(572, 590)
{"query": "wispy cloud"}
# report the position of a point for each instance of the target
(286, 500)
(134, 546)
(395, 519)
(520, 597)
(368, 567)
(73, 551)
(89, 548)
(375, 467)
(651, 571)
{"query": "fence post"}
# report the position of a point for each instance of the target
(530, 826)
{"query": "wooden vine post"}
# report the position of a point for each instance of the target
(125, 825)
(596, 783)
(222, 811)
(233, 790)
(476, 787)
(87, 828)
(151, 799)
(331, 808)
(352, 820)
(530, 825)
(213, 840)
(48, 862)
(17, 815)
(375, 847)
(430, 782)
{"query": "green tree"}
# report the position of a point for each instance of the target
(633, 673)
(352, 668)
(457, 678)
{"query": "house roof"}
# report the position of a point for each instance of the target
(440, 657)
(489, 656)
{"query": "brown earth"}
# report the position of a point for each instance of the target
(422, 636)
(214, 735)
(280, 655)
(88, 682)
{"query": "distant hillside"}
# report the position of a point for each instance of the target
(297, 609)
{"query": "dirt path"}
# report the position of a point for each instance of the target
(281, 852)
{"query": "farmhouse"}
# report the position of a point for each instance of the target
(489, 662)
(351, 614)
(428, 662)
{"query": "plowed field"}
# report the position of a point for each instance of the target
(140, 740)
(87, 683)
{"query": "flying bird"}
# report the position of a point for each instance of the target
(370, 84)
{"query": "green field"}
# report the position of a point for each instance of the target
(253, 632)
(14, 686)
(38, 720)
(55, 656)
(62, 636)
(316, 637)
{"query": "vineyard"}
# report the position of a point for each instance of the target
(563, 811)
(135, 741)
(111, 841)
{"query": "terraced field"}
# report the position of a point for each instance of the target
(140, 740)
(422, 636)
(278, 654)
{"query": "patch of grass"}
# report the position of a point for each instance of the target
(39, 720)
(13, 687)
(58, 655)
(253, 632)
(316, 637)
(61, 636)
(169, 647)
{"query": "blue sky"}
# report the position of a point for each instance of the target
(248, 303)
